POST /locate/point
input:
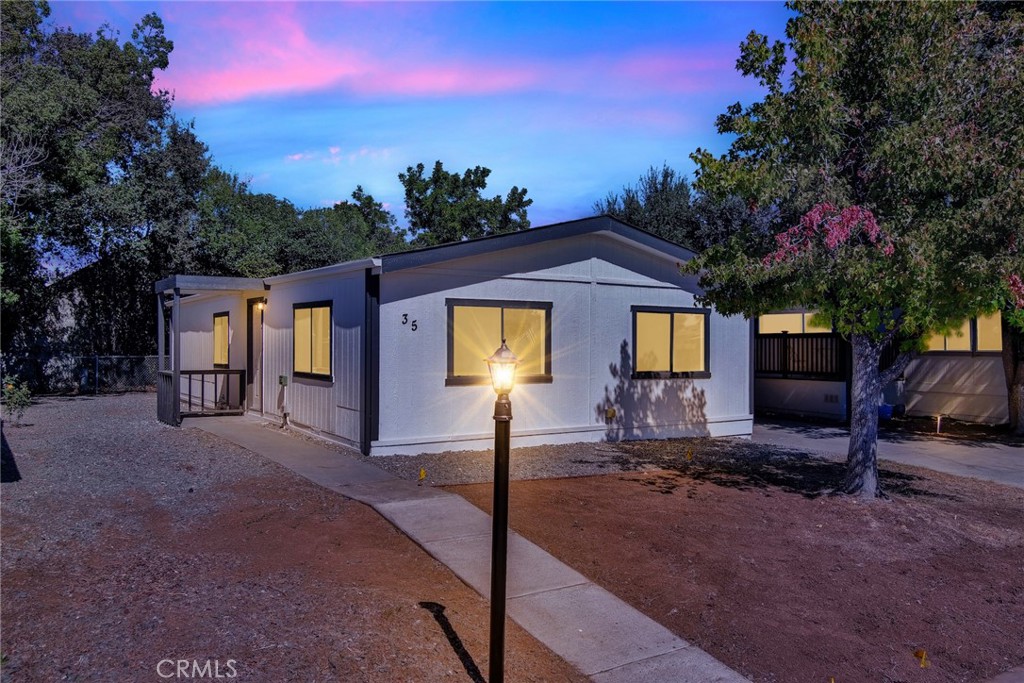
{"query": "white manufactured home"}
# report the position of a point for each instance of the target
(387, 354)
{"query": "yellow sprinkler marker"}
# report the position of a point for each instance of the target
(689, 454)
(923, 656)
(423, 475)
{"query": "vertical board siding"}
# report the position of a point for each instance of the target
(331, 406)
(197, 330)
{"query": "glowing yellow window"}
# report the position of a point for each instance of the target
(990, 332)
(476, 328)
(220, 340)
(774, 323)
(669, 343)
(311, 339)
(810, 327)
(958, 340)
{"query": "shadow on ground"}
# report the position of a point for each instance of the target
(437, 610)
(747, 466)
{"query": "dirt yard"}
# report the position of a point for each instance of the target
(730, 546)
(128, 542)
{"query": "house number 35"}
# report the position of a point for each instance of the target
(410, 323)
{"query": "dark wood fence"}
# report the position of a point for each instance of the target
(802, 356)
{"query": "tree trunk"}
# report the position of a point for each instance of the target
(1013, 369)
(865, 395)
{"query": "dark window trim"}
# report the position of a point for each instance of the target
(329, 305)
(452, 380)
(222, 314)
(693, 374)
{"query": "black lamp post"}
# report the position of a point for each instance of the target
(502, 366)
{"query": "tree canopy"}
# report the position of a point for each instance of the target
(448, 207)
(892, 160)
(659, 203)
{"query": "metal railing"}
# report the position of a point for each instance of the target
(199, 393)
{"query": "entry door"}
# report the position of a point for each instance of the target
(254, 365)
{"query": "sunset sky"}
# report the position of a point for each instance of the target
(570, 100)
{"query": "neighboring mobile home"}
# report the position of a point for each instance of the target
(805, 370)
(386, 354)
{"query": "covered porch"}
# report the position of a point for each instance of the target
(208, 388)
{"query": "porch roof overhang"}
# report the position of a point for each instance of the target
(194, 284)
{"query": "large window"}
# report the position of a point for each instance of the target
(794, 323)
(311, 330)
(220, 340)
(476, 328)
(670, 342)
(979, 334)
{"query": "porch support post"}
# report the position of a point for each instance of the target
(160, 350)
(176, 352)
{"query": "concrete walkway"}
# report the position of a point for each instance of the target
(578, 620)
(999, 462)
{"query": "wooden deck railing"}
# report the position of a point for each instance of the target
(200, 393)
(802, 356)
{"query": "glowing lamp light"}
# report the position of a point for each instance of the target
(502, 365)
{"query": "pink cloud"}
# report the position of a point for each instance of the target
(267, 51)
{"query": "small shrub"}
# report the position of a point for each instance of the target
(17, 398)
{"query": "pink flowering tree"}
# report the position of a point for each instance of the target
(888, 142)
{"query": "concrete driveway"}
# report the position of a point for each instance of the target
(999, 462)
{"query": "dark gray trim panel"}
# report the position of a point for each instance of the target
(371, 364)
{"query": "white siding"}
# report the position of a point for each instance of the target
(197, 330)
(592, 282)
(802, 397)
(330, 406)
(964, 387)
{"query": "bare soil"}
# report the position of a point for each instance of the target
(734, 547)
(128, 542)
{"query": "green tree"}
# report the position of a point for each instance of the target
(894, 154)
(659, 203)
(346, 231)
(96, 171)
(448, 207)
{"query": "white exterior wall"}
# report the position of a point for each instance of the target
(965, 387)
(592, 281)
(332, 407)
(197, 313)
(802, 397)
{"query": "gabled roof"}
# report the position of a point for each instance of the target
(596, 225)
(606, 225)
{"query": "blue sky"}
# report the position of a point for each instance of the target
(570, 100)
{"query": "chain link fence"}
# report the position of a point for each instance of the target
(87, 374)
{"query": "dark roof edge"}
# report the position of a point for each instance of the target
(198, 283)
(482, 245)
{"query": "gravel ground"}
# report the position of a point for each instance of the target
(128, 542)
(533, 462)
